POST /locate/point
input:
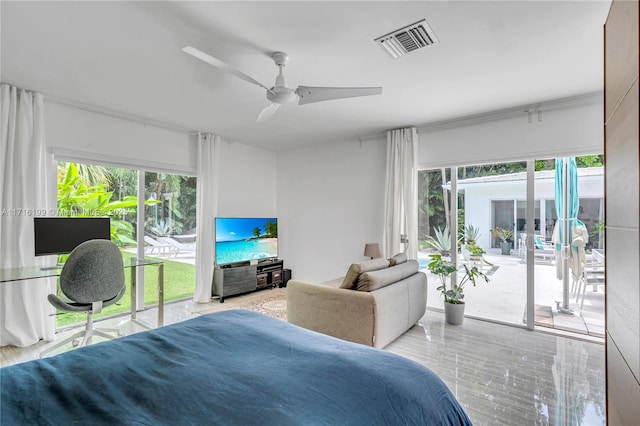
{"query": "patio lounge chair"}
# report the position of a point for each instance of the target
(542, 251)
(158, 247)
(177, 245)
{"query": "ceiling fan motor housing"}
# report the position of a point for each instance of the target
(282, 95)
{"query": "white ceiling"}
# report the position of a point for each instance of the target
(126, 57)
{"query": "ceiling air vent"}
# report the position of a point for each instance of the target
(405, 40)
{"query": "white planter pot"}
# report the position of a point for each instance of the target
(454, 313)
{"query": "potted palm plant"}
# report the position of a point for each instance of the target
(504, 235)
(453, 296)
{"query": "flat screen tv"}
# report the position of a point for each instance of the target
(60, 235)
(242, 239)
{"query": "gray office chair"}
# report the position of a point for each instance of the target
(92, 278)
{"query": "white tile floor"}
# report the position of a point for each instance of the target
(503, 299)
(501, 375)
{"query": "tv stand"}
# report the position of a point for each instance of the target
(240, 279)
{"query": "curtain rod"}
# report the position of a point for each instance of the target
(125, 116)
(549, 105)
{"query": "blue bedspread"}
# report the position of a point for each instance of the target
(231, 367)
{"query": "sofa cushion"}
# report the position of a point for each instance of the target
(372, 280)
(351, 279)
(398, 259)
(335, 283)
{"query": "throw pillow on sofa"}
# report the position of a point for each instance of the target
(398, 259)
(373, 280)
(351, 279)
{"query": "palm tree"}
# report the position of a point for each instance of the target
(257, 232)
(93, 174)
(272, 229)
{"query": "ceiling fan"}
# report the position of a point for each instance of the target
(280, 94)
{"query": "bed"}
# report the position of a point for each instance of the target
(230, 367)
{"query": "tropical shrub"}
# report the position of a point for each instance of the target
(443, 268)
(441, 242)
(78, 199)
(503, 234)
(163, 228)
(474, 250)
(471, 234)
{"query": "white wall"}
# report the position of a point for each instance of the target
(478, 206)
(576, 130)
(248, 184)
(330, 203)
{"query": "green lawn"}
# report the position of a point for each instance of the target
(179, 283)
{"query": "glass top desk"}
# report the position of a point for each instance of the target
(35, 272)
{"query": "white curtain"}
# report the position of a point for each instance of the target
(206, 209)
(28, 188)
(401, 194)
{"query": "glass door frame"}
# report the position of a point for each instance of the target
(140, 225)
(529, 245)
(529, 242)
(535, 210)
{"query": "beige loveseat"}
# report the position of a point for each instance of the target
(373, 304)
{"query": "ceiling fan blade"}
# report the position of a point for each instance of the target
(267, 112)
(221, 65)
(317, 94)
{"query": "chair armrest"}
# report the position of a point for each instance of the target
(337, 312)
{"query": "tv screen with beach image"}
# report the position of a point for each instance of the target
(245, 239)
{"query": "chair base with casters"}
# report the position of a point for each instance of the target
(86, 336)
(89, 331)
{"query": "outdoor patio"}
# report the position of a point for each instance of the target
(503, 298)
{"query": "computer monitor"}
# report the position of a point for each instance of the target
(60, 235)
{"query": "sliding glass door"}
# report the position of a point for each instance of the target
(168, 204)
(490, 196)
(170, 231)
(507, 215)
(572, 301)
(434, 223)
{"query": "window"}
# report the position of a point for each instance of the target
(94, 190)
